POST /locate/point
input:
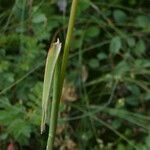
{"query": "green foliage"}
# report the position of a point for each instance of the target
(51, 61)
(119, 16)
(108, 65)
(94, 63)
(115, 45)
(92, 32)
(15, 119)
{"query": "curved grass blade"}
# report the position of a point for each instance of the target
(51, 60)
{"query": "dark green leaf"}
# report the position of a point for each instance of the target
(92, 31)
(119, 16)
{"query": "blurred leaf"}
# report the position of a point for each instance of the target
(77, 43)
(142, 63)
(116, 123)
(132, 100)
(24, 131)
(20, 10)
(146, 96)
(134, 89)
(94, 63)
(147, 142)
(119, 16)
(131, 41)
(3, 136)
(115, 45)
(38, 18)
(143, 21)
(2, 52)
(121, 69)
(139, 48)
(92, 31)
(86, 135)
(101, 56)
(19, 127)
(121, 147)
(82, 6)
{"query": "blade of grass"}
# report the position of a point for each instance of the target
(68, 39)
(52, 57)
(59, 78)
(55, 106)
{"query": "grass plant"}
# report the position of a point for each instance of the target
(55, 69)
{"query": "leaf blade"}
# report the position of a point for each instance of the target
(115, 45)
(51, 60)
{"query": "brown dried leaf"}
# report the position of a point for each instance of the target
(69, 92)
(71, 145)
(60, 129)
(68, 144)
(58, 142)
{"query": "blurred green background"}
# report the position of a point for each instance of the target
(106, 95)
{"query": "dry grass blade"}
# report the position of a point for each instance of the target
(52, 57)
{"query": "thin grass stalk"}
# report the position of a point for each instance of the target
(68, 39)
(59, 78)
(55, 107)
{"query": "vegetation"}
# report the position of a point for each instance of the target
(106, 92)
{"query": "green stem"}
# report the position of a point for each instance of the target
(68, 39)
(55, 107)
(59, 78)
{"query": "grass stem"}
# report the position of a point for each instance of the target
(59, 78)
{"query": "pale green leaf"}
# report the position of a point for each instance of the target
(115, 45)
(38, 18)
(51, 61)
(94, 63)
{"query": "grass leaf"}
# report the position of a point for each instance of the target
(52, 57)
